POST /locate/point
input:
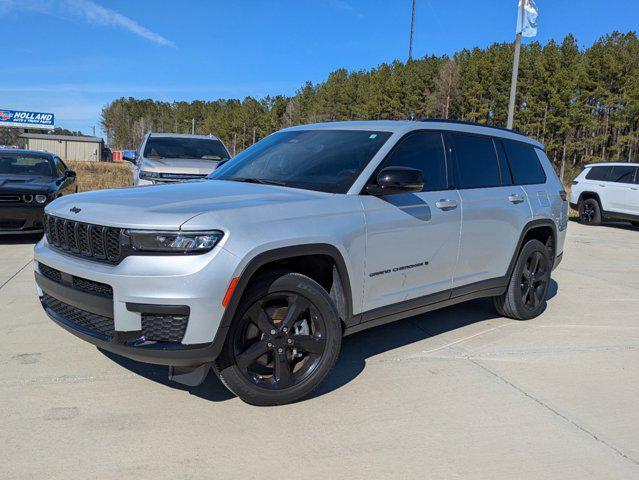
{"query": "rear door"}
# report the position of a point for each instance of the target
(494, 211)
(527, 171)
(412, 239)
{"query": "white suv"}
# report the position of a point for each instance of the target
(607, 190)
(314, 232)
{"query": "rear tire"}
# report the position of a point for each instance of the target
(525, 297)
(284, 340)
(589, 212)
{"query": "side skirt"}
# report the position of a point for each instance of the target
(428, 303)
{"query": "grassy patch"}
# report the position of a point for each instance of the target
(101, 175)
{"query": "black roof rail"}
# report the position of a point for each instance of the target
(475, 124)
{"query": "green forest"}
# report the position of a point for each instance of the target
(582, 103)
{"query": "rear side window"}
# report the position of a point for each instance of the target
(599, 173)
(423, 151)
(476, 161)
(623, 174)
(524, 163)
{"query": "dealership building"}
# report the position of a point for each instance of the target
(67, 147)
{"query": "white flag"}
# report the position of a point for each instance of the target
(527, 28)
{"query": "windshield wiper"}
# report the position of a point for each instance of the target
(255, 180)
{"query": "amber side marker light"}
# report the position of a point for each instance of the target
(229, 292)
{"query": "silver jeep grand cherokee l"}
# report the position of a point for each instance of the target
(315, 232)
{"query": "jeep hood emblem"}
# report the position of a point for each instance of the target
(75, 210)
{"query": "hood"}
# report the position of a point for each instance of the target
(178, 165)
(24, 183)
(169, 206)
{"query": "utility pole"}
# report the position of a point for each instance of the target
(513, 81)
(412, 27)
(94, 130)
(193, 126)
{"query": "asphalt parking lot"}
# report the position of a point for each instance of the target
(459, 393)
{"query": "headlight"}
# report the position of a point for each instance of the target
(146, 175)
(41, 198)
(27, 198)
(177, 242)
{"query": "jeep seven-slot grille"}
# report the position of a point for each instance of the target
(84, 239)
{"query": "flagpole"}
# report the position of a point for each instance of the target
(513, 81)
(412, 26)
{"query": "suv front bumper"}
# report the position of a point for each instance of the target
(167, 312)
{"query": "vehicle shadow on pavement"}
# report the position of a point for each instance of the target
(212, 389)
(356, 349)
(611, 224)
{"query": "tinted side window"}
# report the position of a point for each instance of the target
(476, 161)
(623, 174)
(425, 152)
(599, 173)
(524, 163)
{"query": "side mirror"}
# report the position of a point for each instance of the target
(70, 173)
(397, 180)
(129, 156)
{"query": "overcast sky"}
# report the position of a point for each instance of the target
(71, 57)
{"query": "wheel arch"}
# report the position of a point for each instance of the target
(540, 229)
(587, 194)
(301, 258)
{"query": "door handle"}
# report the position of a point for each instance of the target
(446, 204)
(602, 184)
(515, 198)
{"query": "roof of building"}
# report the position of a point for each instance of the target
(62, 138)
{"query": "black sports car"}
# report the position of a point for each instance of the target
(28, 181)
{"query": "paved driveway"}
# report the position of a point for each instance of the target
(459, 393)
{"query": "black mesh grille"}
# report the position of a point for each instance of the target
(164, 328)
(88, 320)
(95, 288)
(95, 241)
(50, 273)
(79, 283)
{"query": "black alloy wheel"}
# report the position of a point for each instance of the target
(280, 340)
(534, 281)
(283, 341)
(589, 212)
(525, 295)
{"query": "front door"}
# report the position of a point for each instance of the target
(619, 189)
(412, 239)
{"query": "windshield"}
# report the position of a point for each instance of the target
(193, 148)
(20, 163)
(324, 160)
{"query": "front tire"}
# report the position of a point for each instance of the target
(525, 297)
(284, 340)
(589, 212)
